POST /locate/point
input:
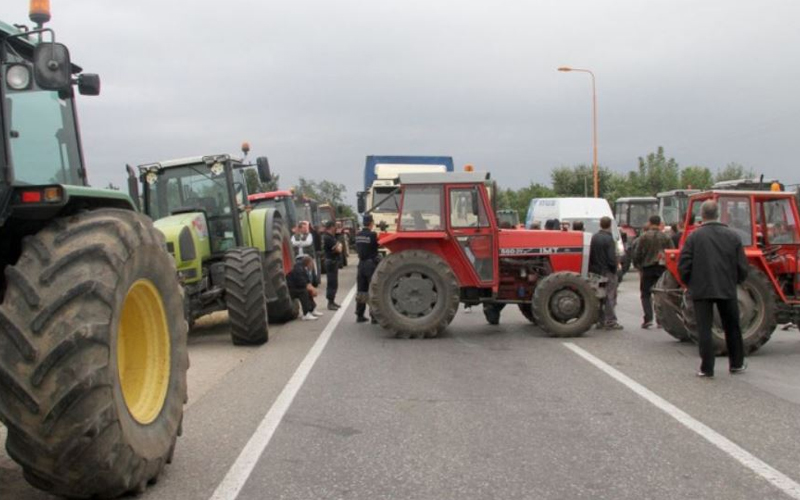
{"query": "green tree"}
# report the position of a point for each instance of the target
(326, 192)
(733, 171)
(520, 199)
(696, 177)
(579, 180)
(655, 173)
(254, 184)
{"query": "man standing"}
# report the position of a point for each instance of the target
(712, 263)
(648, 257)
(603, 261)
(300, 287)
(367, 248)
(332, 250)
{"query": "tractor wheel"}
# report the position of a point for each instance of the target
(414, 293)
(565, 305)
(757, 304)
(492, 312)
(276, 266)
(667, 306)
(527, 311)
(93, 355)
(245, 296)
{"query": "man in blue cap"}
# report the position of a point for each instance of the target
(368, 257)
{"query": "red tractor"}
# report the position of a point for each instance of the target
(448, 250)
(767, 223)
(632, 215)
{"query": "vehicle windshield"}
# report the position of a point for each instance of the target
(42, 138)
(188, 187)
(509, 219)
(422, 209)
(672, 208)
(781, 223)
(391, 205)
(640, 213)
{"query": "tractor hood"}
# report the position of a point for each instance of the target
(188, 242)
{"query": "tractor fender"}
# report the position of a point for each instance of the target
(261, 220)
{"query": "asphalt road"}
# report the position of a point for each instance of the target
(481, 412)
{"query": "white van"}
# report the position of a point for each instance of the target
(588, 210)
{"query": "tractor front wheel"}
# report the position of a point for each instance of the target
(414, 293)
(245, 296)
(527, 311)
(565, 305)
(492, 312)
(757, 319)
(93, 355)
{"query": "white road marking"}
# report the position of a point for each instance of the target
(761, 468)
(240, 471)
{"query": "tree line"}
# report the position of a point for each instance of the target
(654, 173)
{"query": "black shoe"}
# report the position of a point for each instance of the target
(741, 369)
(703, 374)
(361, 319)
(332, 306)
(614, 326)
(647, 324)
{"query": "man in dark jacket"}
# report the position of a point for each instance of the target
(603, 261)
(648, 257)
(367, 248)
(332, 250)
(712, 263)
(300, 287)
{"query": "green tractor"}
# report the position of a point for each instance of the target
(93, 354)
(229, 255)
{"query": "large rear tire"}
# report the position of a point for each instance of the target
(414, 293)
(565, 305)
(667, 306)
(277, 264)
(93, 355)
(245, 296)
(757, 319)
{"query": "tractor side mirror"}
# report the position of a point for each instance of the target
(89, 84)
(133, 186)
(52, 68)
(362, 201)
(262, 165)
(475, 203)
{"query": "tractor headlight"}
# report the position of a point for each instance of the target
(18, 77)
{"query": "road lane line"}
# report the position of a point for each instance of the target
(766, 471)
(240, 471)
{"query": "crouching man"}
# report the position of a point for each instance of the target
(301, 288)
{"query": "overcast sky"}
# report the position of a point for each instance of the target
(318, 85)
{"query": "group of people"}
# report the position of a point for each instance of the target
(304, 278)
(711, 264)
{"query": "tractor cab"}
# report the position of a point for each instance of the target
(282, 201)
(632, 214)
(209, 189)
(508, 219)
(672, 205)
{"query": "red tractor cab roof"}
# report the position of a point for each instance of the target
(269, 196)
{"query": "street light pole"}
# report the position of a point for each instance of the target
(594, 126)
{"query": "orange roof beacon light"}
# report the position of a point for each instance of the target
(39, 12)
(469, 168)
(775, 186)
(245, 148)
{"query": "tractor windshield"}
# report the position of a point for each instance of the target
(42, 138)
(640, 214)
(781, 223)
(190, 187)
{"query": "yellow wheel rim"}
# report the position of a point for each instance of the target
(143, 352)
